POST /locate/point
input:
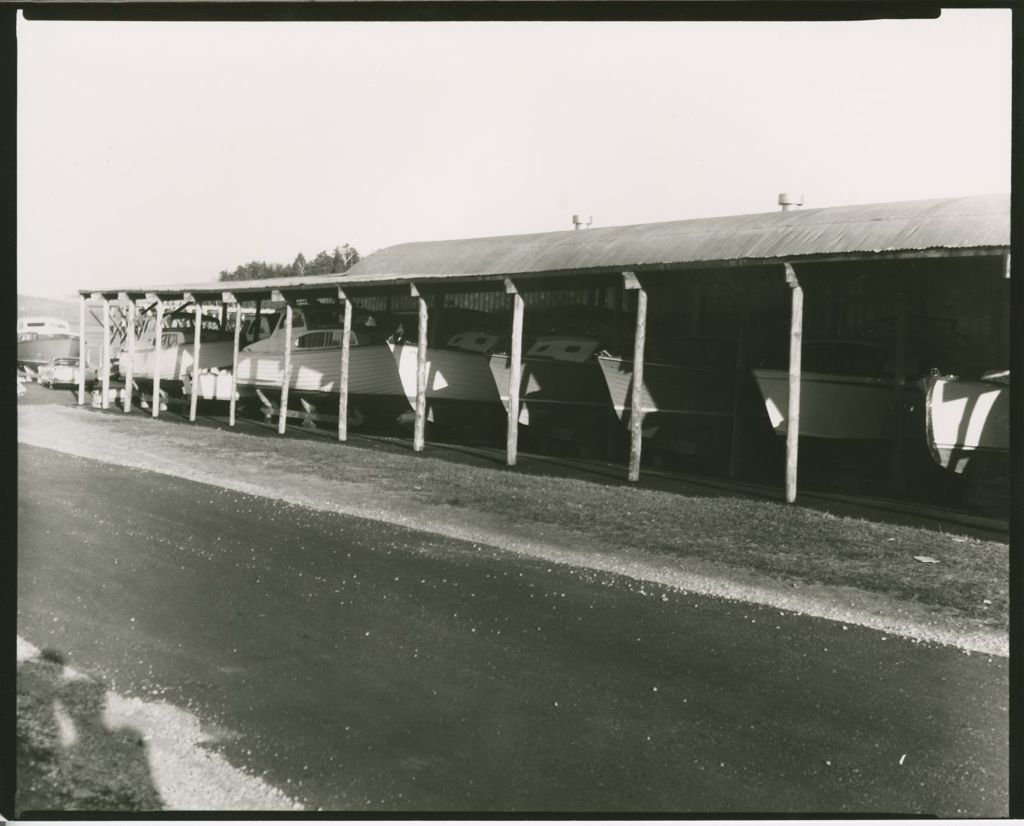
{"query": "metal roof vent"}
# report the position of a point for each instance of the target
(581, 221)
(788, 202)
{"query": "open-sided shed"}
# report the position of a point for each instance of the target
(902, 258)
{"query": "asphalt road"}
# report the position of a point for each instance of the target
(361, 666)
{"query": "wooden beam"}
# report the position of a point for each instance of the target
(234, 366)
(420, 426)
(287, 368)
(81, 350)
(105, 358)
(194, 396)
(514, 378)
(1006, 265)
(346, 347)
(796, 332)
(156, 357)
(130, 367)
(636, 403)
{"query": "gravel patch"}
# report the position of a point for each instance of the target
(81, 747)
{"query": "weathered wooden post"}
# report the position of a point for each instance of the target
(234, 359)
(81, 350)
(515, 374)
(129, 371)
(631, 282)
(158, 347)
(286, 374)
(194, 397)
(346, 348)
(105, 358)
(420, 425)
(796, 332)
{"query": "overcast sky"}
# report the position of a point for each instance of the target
(154, 153)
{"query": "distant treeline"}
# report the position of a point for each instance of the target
(325, 263)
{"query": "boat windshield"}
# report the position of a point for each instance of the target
(331, 316)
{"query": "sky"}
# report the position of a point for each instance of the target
(160, 153)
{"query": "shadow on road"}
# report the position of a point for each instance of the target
(68, 759)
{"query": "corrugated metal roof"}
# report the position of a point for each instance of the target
(949, 223)
(980, 222)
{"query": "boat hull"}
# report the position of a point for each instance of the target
(668, 389)
(832, 406)
(564, 401)
(375, 390)
(966, 419)
(176, 360)
(460, 386)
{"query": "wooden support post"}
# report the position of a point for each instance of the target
(346, 348)
(636, 402)
(105, 359)
(130, 367)
(617, 330)
(286, 373)
(234, 365)
(155, 400)
(194, 396)
(223, 314)
(898, 401)
(515, 374)
(81, 350)
(738, 386)
(796, 331)
(420, 426)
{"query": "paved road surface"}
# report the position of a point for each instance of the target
(368, 667)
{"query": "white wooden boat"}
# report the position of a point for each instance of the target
(967, 419)
(177, 350)
(375, 389)
(460, 385)
(853, 400)
(563, 395)
(684, 408)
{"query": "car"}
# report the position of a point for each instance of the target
(64, 372)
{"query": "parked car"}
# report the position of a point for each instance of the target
(64, 372)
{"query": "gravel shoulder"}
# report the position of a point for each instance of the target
(82, 747)
(847, 570)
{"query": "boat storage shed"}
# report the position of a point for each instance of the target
(741, 275)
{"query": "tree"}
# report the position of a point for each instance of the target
(325, 263)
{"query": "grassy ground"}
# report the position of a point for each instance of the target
(766, 537)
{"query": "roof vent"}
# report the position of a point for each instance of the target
(788, 202)
(581, 221)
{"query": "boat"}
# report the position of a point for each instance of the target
(42, 339)
(461, 390)
(686, 402)
(968, 420)
(563, 395)
(846, 391)
(177, 349)
(375, 389)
